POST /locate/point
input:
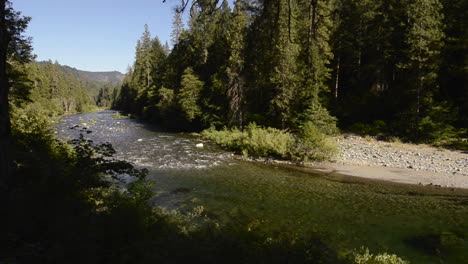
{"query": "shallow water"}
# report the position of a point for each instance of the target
(419, 223)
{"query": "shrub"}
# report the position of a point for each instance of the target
(377, 127)
(308, 144)
(311, 144)
(364, 257)
(437, 133)
(228, 139)
(254, 141)
(267, 141)
(320, 118)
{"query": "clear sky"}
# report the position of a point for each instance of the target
(94, 35)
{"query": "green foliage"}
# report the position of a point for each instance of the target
(235, 69)
(30, 121)
(72, 201)
(119, 115)
(377, 127)
(189, 94)
(285, 63)
(52, 90)
(98, 167)
(266, 142)
(434, 129)
(365, 257)
(309, 144)
(312, 145)
(166, 101)
(253, 141)
(320, 118)
(231, 65)
(106, 96)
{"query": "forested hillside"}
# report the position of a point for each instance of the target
(387, 67)
(93, 81)
(102, 77)
(99, 85)
(56, 89)
(48, 89)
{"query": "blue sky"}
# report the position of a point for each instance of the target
(94, 35)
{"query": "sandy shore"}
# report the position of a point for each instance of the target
(398, 162)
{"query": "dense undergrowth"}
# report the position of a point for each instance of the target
(308, 144)
(435, 133)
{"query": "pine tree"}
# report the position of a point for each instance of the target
(12, 44)
(284, 72)
(316, 26)
(235, 69)
(453, 71)
(424, 40)
(189, 95)
(177, 27)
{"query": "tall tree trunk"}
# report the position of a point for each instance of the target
(337, 78)
(5, 125)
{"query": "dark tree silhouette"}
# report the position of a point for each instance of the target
(5, 126)
(14, 47)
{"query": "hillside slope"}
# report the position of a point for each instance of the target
(93, 81)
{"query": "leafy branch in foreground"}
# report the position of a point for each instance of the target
(97, 160)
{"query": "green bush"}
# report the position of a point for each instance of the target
(265, 142)
(253, 141)
(377, 127)
(309, 144)
(364, 257)
(227, 138)
(436, 133)
(320, 118)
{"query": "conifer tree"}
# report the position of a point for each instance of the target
(424, 40)
(177, 27)
(453, 71)
(235, 69)
(189, 95)
(316, 26)
(15, 45)
(284, 71)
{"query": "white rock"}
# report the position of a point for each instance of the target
(140, 140)
(199, 145)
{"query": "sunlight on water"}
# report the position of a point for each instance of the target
(144, 145)
(421, 224)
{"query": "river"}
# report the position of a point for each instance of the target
(422, 224)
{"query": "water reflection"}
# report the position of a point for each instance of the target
(347, 212)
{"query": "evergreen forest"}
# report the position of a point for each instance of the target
(376, 67)
(262, 78)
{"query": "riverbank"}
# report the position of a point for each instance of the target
(396, 162)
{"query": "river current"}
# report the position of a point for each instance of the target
(419, 223)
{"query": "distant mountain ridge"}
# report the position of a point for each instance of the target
(111, 77)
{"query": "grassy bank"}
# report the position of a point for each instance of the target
(308, 144)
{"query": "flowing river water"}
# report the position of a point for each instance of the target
(419, 223)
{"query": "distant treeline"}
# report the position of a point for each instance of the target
(395, 67)
(54, 89)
